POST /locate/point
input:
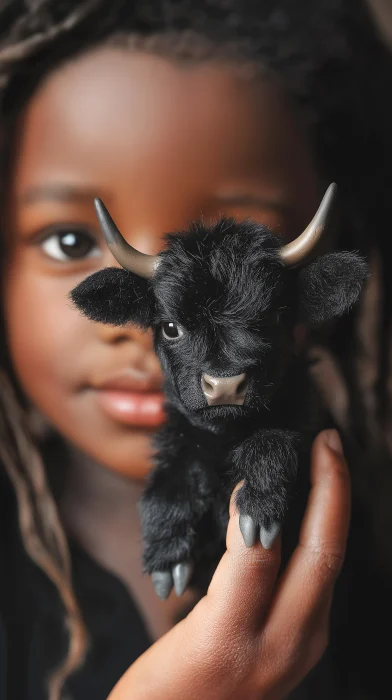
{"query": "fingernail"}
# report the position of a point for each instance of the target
(334, 442)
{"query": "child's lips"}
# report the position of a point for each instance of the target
(133, 408)
(131, 401)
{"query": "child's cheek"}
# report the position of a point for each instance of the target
(46, 336)
(55, 351)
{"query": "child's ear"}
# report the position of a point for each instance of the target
(330, 285)
(116, 297)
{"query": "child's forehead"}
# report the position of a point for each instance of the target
(121, 108)
(162, 144)
(119, 93)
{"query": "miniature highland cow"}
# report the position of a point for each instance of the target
(223, 302)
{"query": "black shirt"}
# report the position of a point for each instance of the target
(33, 639)
(116, 630)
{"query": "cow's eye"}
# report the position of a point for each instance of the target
(171, 331)
(70, 244)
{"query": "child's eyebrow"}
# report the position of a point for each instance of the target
(62, 192)
(253, 200)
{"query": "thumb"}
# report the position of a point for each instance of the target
(212, 639)
(241, 588)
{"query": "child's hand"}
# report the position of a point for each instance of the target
(251, 637)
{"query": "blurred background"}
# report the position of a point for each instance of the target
(382, 10)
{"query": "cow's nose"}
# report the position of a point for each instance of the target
(224, 390)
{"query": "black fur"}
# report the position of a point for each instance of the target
(330, 286)
(237, 306)
(116, 297)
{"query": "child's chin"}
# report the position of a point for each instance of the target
(136, 472)
(132, 458)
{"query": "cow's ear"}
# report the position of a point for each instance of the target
(115, 296)
(330, 285)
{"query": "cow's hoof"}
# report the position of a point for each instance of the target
(179, 575)
(163, 583)
(250, 529)
(268, 537)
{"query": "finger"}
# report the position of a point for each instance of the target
(306, 587)
(215, 637)
(241, 588)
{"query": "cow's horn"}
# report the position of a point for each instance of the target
(131, 259)
(300, 249)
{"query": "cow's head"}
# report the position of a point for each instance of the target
(223, 302)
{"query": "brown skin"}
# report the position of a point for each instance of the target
(161, 144)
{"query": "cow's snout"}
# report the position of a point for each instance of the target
(220, 391)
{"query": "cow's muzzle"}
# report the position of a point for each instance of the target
(221, 391)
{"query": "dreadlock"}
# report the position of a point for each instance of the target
(327, 56)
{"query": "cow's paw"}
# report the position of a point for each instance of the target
(178, 575)
(169, 560)
(261, 515)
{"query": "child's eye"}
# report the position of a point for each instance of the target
(70, 244)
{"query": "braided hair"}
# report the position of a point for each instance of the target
(328, 57)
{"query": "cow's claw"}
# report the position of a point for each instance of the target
(163, 583)
(249, 529)
(268, 537)
(179, 575)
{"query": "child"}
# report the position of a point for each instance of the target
(168, 111)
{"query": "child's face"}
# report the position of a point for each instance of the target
(161, 144)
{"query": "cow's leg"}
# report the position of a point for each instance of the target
(267, 462)
(179, 493)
